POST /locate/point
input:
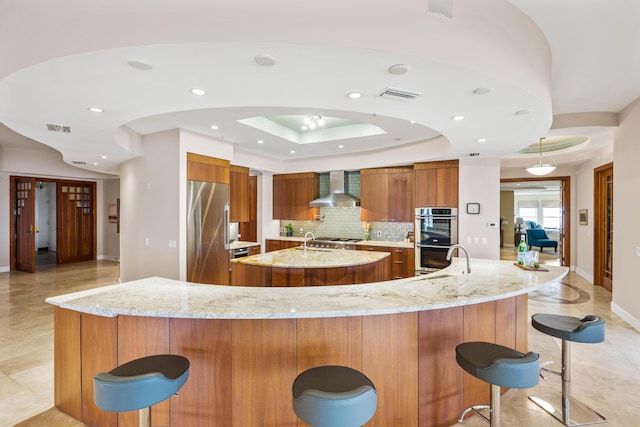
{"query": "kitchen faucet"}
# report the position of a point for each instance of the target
(450, 251)
(305, 239)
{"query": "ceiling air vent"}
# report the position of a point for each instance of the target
(58, 128)
(399, 94)
(78, 162)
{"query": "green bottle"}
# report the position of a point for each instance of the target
(522, 250)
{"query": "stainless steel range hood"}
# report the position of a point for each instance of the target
(337, 197)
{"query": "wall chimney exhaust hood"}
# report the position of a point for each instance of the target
(337, 197)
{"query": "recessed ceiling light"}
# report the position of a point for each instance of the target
(482, 91)
(214, 127)
(457, 118)
(198, 92)
(412, 122)
(103, 157)
(304, 127)
(265, 60)
(354, 95)
(399, 69)
(292, 151)
(481, 140)
(96, 109)
(523, 112)
(260, 141)
(95, 164)
(340, 146)
(140, 65)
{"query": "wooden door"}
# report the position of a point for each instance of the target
(76, 224)
(374, 192)
(603, 226)
(24, 214)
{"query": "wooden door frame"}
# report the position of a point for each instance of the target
(12, 213)
(599, 240)
(566, 208)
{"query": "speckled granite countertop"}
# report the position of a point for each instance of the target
(158, 297)
(312, 258)
(241, 244)
(361, 242)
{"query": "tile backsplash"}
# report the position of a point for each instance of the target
(345, 222)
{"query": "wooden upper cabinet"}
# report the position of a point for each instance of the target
(239, 194)
(205, 168)
(292, 194)
(436, 184)
(386, 195)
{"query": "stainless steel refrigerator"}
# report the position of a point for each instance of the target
(208, 233)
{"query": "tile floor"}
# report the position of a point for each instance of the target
(606, 376)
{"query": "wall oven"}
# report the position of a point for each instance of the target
(436, 229)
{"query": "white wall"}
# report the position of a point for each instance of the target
(626, 238)
(108, 236)
(479, 181)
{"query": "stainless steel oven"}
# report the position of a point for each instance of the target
(436, 229)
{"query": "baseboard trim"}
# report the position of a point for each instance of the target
(5, 269)
(635, 323)
(108, 258)
(580, 272)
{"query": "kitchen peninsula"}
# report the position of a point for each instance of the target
(247, 344)
(310, 267)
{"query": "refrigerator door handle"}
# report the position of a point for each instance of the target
(226, 226)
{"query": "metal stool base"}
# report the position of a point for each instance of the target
(576, 412)
(476, 410)
(494, 408)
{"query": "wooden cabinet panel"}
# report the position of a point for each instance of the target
(239, 194)
(386, 195)
(440, 377)
(205, 400)
(67, 394)
(272, 245)
(99, 354)
(436, 184)
(374, 191)
(330, 341)
(263, 370)
(292, 194)
(398, 334)
(249, 229)
(151, 335)
(479, 325)
(403, 263)
(254, 250)
(205, 168)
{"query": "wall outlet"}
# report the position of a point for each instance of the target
(172, 243)
(379, 233)
(301, 230)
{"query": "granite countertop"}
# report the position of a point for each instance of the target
(158, 297)
(312, 258)
(241, 244)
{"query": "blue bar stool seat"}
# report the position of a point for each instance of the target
(589, 329)
(140, 384)
(499, 366)
(334, 396)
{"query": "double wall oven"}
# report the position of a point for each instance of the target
(436, 229)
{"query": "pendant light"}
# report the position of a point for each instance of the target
(540, 168)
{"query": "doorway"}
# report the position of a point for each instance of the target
(541, 202)
(603, 227)
(52, 222)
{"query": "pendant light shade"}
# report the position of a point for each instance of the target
(541, 169)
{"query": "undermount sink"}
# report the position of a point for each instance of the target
(438, 276)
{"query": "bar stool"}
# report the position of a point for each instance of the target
(334, 396)
(499, 366)
(140, 384)
(589, 329)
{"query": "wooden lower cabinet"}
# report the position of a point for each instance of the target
(271, 245)
(403, 263)
(242, 369)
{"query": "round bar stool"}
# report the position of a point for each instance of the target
(499, 366)
(334, 396)
(589, 329)
(140, 384)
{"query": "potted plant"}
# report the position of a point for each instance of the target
(289, 229)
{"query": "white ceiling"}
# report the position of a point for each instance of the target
(573, 56)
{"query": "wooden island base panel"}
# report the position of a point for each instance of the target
(246, 345)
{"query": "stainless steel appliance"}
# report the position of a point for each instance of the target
(239, 252)
(333, 243)
(436, 229)
(208, 233)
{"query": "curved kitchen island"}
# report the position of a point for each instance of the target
(247, 344)
(311, 267)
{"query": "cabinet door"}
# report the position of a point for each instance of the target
(436, 184)
(271, 245)
(426, 187)
(292, 194)
(400, 197)
(239, 194)
(374, 192)
(402, 262)
(447, 187)
(254, 250)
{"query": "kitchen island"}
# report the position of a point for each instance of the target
(310, 267)
(247, 344)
